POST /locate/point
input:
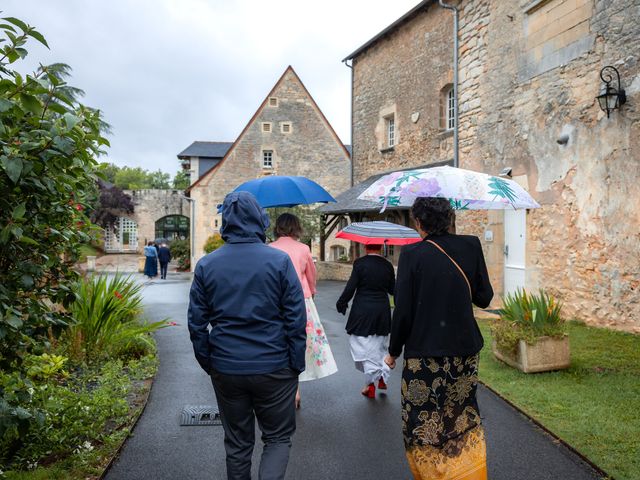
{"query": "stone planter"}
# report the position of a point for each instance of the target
(91, 263)
(548, 353)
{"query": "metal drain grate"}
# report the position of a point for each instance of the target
(199, 415)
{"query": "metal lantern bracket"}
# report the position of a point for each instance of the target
(611, 97)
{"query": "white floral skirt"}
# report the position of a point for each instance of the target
(318, 357)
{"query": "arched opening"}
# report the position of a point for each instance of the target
(172, 227)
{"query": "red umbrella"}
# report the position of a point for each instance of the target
(379, 233)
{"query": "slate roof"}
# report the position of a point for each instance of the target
(206, 149)
(347, 201)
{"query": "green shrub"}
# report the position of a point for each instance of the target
(105, 318)
(75, 415)
(181, 252)
(526, 316)
(214, 242)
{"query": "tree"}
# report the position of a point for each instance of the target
(49, 142)
(112, 203)
(159, 180)
(132, 178)
(182, 180)
(309, 221)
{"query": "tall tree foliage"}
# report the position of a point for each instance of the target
(49, 142)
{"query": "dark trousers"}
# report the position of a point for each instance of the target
(163, 269)
(271, 399)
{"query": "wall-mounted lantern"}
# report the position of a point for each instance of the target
(610, 97)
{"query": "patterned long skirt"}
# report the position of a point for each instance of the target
(318, 357)
(443, 437)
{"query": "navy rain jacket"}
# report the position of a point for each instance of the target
(250, 297)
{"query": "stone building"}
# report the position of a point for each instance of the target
(287, 135)
(529, 77)
(158, 214)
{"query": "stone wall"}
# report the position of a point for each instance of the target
(404, 75)
(334, 271)
(151, 206)
(309, 149)
(528, 77)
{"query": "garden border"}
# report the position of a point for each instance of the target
(133, 426)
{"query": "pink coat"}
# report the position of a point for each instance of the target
(303, 263)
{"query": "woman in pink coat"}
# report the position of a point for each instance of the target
(319, 359)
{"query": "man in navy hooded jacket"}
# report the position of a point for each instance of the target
(247, 321)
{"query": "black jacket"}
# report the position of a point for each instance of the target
(164, 255)
(372, 279)
(433, 314)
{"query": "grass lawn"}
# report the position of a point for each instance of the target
(594, 405)
(88, 250)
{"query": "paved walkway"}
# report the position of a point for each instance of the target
(340, 434)
(123, 263)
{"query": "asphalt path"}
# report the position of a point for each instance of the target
(340, 434)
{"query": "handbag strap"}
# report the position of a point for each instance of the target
(455, 263)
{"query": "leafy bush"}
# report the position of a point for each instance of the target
(76, 414)
(181, 251)
(105, 318)
(214, 242)
(49, 142)
(526, 316)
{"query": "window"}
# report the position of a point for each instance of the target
(391, 131)
(267, 159)
(285, 127)
(273, 102)
(266, 127)
(450, 120)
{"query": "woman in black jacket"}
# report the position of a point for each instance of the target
(372, 280)
(439, 280)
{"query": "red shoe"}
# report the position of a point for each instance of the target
(382, 385)
(369, 391)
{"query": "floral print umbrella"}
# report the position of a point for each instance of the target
(465, 189)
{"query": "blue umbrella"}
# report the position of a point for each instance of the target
(285, 191)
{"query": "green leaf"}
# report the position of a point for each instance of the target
(13, 167)
(31, 104)
(27, 281)
(38, 36)
(28, 240)
(17, 23)
(22, 52)
(5, 104)
(19, 211)
(71, 120)
(14, 321)
(6, 26)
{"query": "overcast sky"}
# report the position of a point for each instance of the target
(168, 72)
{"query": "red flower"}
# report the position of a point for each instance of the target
(172, 324)
(79, 207)
(79, 224)
(117, 294)
(318, 332)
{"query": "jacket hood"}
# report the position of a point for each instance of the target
(243, 220)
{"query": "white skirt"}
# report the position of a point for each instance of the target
(368, 354)
(318, 357)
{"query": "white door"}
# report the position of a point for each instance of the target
(515, 234)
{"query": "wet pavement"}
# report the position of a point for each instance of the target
(340, 434)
